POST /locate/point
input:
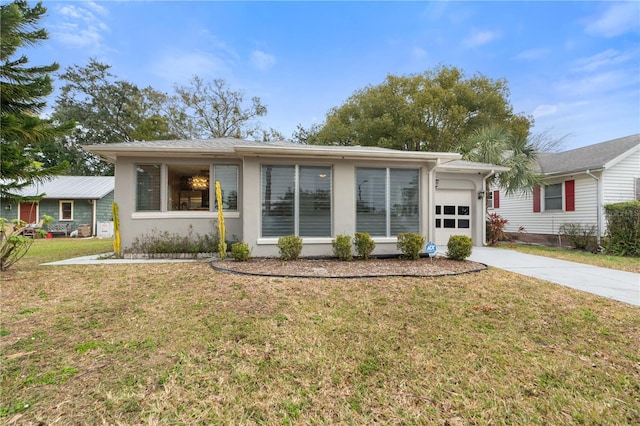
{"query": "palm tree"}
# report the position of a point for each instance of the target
(495, 145)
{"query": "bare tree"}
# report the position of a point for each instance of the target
(203, 109)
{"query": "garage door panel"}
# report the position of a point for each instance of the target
(452, 214)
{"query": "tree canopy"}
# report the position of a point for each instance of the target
(433, 111)
(211, 109)
(23, 90)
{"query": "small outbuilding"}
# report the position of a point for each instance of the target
(76, 203)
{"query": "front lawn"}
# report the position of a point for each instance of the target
(183, 344)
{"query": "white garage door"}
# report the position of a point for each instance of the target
(452, 215)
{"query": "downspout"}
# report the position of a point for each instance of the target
(598, 205)
(485, 210)
(94, 225)
(431, 199)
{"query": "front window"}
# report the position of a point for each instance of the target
(148, 187)
(387, 201)
(296, 200)
(188, 188)
(553, 197)
(66, 210)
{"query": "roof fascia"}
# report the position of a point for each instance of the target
(572, 172)
(350, 154)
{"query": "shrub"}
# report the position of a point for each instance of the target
(290, 247)
(410, 245)
(342, 247)
(459, 247)
(157, 242)
(240, 251)
(364, 244)
(495, 228)
(623, 228)
(579, 236)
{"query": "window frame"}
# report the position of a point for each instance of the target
(559, 197)
(389, 209)
(164, 189)
(296, 213)
(61, 210)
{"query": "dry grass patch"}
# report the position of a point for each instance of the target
(183, 344)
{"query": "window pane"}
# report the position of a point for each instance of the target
(449, 223)
(449, 209)
(67, 210)
(463, 223)
(371, 202)
(553, 197)
(188, 188)
(278, 184)
(228, 178)
(148, 187)
(404, 195)
(463, 210)
(315, 201)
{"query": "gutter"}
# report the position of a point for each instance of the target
(598, 204)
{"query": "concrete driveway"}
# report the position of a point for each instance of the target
(617, 285)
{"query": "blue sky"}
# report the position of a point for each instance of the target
(573, 66)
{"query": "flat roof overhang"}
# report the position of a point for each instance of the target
(110, 153)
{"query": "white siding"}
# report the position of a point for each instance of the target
(518, 209)
(618, 181)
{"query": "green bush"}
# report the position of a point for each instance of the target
(290, 247)
(459, 247)
(410, 245)
(342, 247)
(364, 244)
(623, 228)
(579, 236)
(240, 251)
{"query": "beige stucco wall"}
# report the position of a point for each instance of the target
(245, 224)
(134, 224)
(343, 205)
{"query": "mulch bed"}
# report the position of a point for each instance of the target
(333, 268)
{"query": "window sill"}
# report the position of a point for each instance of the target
(183, 215)
(323, 240)
(313, 240)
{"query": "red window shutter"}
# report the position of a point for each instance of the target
(570, 195)
(496, 199)
(536, 199)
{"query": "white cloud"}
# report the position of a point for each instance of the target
(609, 57)
(179, 66)
(532, 54)
(479, 38)
(619, 19)
(80, 27)
(262, 61)
(598, 83)
(544, 110)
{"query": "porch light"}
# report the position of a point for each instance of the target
(199, 182)
(480, 195)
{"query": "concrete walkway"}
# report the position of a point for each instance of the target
(617, 285)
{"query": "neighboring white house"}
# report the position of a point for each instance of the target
(281, 188)
(578, 183)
